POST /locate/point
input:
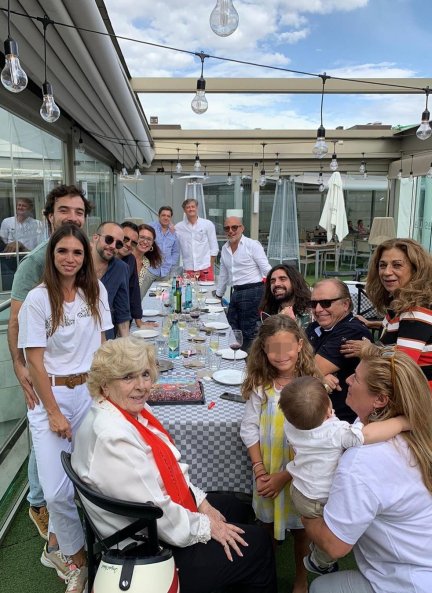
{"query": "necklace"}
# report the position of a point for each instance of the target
(281, 385)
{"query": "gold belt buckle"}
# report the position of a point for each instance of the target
(72, 381)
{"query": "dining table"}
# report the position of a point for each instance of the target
(206, 434)
(319, 249)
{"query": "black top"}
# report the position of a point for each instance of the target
(327, 344)
(134, 289)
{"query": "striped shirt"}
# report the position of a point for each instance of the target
(411, 331)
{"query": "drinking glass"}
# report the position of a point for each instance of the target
(214, 342)
(181, 322)
(194, 314)
(166, 326)
(235, 341)
(192, 329)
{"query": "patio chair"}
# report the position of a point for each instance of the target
(306, 259)
(347, 251)
(98, 548)
(329, 257)
(363, 251)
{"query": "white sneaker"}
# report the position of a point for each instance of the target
(77, 580)
(61, 564)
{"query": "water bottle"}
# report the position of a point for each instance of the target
(174, 340)
(178, 298)
(188, 297)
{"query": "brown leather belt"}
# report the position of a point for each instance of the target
(69, 381)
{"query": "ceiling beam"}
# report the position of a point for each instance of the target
(295, 85)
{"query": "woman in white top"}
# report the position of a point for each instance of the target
(61, 325)
(380, 502)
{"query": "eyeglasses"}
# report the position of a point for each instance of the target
(109, 240)
(324, 303)
(233, 227)
(127, 240)
(145, 240)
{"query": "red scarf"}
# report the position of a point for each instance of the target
(169, 469)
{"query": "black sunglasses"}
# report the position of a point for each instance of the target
(324, 303)
(128, 239)
(233, 227)
(109, 240)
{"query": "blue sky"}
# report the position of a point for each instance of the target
(349, 38)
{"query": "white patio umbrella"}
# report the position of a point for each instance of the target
(333, 217)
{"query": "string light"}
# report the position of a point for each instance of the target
(81, 147)
(263, 180)
(199, 102)
(137, 172)
(229, 176)
(276, 165)
(179, 167)
(399, 175)
(171, 173)
(320, 149)
(224, 18)
(241, 181)
(424, 131)
(362, 167)
(333, 163)
(49, 110)
(321, 186)
(13, 77)
(124, 171)
(197, 163)
(411, 175)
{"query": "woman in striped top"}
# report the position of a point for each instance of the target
(399, 284)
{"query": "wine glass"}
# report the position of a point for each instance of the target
(235, 341)
(194, 314)
(181, 322)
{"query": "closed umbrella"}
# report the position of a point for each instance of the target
(333, 218)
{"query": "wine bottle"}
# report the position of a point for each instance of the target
(178, 298)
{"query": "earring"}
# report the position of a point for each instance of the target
(151, 248)
(375, 414)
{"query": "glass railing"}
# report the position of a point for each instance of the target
(14, 438)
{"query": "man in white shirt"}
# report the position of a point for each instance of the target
(243, 266)
(21, 232)
(198, 243)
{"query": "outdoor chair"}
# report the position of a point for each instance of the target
(306, 259)
(363, 252)
(347, 252)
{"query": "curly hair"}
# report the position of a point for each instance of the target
(394, 374)
(117, 358)
(418, 291)
(60, 191)
(259, 372)
(154, 254)
(300, 290)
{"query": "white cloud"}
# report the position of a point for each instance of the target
(292, 37)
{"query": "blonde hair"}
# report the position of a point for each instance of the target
(116, 359)
(418, 291)
(394, 374)
(260, 373)
(305, 402)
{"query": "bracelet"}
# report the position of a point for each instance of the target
(261, 475)
(254, 465)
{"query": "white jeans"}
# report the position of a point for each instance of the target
(58, 489)
(346, 581)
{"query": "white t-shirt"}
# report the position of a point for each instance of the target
(30, 232)
(317, 452)
(71, 348)
(379, 503)
(197, 243)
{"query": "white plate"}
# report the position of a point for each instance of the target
(229, 377)
(212, 301)
(145, 333)
(206, 282)
(214, 309)
(150, 312)
(216, 325)
(228, 354)
(203, 290)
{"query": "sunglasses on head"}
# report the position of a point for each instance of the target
(232, 227)
(109, 240)
(129, 240)
(324, 303)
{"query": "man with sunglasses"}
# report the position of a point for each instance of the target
(243, 266)
(114, 275)
(334, 324)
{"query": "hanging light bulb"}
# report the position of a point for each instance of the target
(333, 163)
(137, 172)
(206, 175)
(81, 146)
(13, 77)
(263, 180)
(197, 163)
(321, 186)
(178, 167)
(229, 176)
(424, 131)
(171, 173)
(429, 173)
(320, 148)
(276, 169)
(399, 175)
(224, 18)
(362, 167)
(280, 180)
(411, 175)
(124, 171)
(49, 110)
(241, 181)
(199, 102)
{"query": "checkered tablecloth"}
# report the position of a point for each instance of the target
(208, 439)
